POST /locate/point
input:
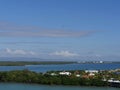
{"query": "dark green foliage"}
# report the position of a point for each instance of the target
(26, 76)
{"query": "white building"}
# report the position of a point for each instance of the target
(91, 71)
(91, 74)
(77, 75)
(53, 74)
(113, 81)
(65, 73)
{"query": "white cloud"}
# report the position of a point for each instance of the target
(19, 52)
(32, 53)
(64, 54)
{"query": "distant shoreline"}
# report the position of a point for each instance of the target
(23, 63)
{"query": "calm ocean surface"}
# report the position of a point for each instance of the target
(13, 86)
(44, 68)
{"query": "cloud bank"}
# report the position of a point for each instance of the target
(23, 53)
(64, 54)
(19, 52)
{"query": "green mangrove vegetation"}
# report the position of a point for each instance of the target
(76, 77)
(26, 76)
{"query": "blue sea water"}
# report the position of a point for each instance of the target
(15, 86)
(44, 68)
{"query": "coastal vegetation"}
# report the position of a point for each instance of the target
(80, 78)
(26, 76)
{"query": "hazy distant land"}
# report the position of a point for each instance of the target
(23, 63)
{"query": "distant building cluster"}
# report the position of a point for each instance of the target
(108, 76)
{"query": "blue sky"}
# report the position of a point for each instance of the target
(60, 29)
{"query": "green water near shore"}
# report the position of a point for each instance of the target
(14, 86)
